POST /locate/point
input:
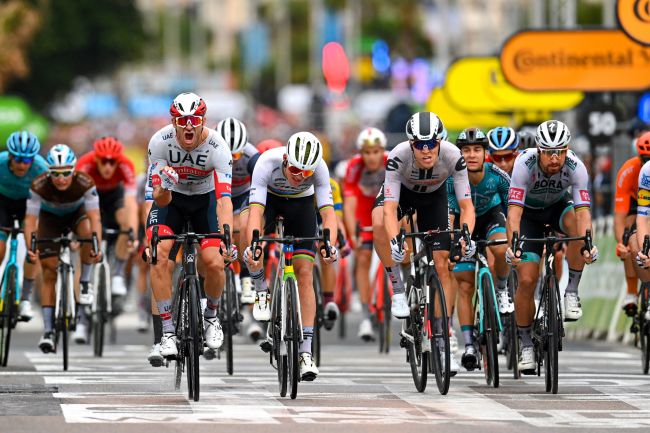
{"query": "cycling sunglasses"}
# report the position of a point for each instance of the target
(504, 158)
(296, 171)
(23, 159)
(553, 152)
(236, 156)
(107, 161)
(429, 144)
(194, 120)
(61, 173)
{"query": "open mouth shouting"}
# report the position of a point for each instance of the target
(188, 136)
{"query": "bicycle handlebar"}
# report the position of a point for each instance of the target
(552, 240)
(93, 240)
(256, 248)
(156, 238)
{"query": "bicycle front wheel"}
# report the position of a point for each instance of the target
(384, 323)
(7, 315)
(293, 336)
(230, 325)
(417, 357)
(318, 320)
(99, 316)
(491, 333)
(644, 329)
(63, 321)
(438, 325)
(512, 352)
(195, 343)
(553, 336)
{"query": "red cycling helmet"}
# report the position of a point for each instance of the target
(269, 144)
(643, 144)
(108, 147)
(188, 104)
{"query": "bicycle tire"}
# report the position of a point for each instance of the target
(513, 338)
(552, 343)
(418, 359)
(491, 332)
(282, 361)
(178, 306)
(99, 318)
(7, 318)
(195, 343)
(64, 321)
(439, 337)
(385, 334)
(644, 330)
(230, 294)
(318, 320)
(293, 336)
(342, 325)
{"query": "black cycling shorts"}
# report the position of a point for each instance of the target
(299, 220)
(432, 211)
(109, 203)
(51, 226)
(199, 210)
(534, 222)
(9, 208)
(491, 222)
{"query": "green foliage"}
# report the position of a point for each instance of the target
(80, 37)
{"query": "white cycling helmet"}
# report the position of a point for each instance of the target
(304, 151)
(188, 104)
(60, 155)
(552, 134)
(234, 132)
(371, 137)
(425, 126)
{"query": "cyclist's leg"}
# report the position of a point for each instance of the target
(363, 258)
(569, 226)
(125, 212)
(381, 242)
(495, 228)
(83, 230)
(48, 299)
(631, 270)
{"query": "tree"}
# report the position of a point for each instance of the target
(79, 38)
(18, 25)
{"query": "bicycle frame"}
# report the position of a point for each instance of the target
(65, 261)
(482, 268)
(11, 262)
(107, 273)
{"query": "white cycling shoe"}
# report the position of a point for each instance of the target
(506, 306)
(526, 362)
(118, 286)
(572, 307)
(262, 307)
(168, 344)
(400, 306)
(213, 333)
(254, 331)
(453, 341)
(331, 314)
(247, 292)
(366, 333)
(454, 368)
(86, 294)
(308, 369)
(155, 358)
(81, 333)
(25, 310)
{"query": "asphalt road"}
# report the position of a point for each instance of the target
(358, 390)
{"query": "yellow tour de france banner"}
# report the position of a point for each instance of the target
(584, 60)
(476, 84)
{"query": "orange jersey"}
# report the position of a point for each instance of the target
(627, 185)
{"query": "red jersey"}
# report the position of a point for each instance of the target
(360, 182)
(124, 173)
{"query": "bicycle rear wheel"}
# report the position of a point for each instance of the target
(100, 315)
(293, 336)
(385, 317)
(282, 360)
(195, 343)
(7, 315)
(512, 352)
(417, 358)
(553, 336)
(644, 329)
(230, 326)
(318, 320)
(491, 333)
(64, 319)
(437, 323)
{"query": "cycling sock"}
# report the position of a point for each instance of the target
(307, 334)
(258, 280)
(632, 285)
(365, 309)
(574, 280)
(395, 277)
(328, 297)
(86, 269)
(502, 283)
(524, 335)
(28, 286)
(165, 308)
(244, 272)
(157, 328)
(211, 307)
(118, 267)
(82, 317)
(48, 319)
(468, 334)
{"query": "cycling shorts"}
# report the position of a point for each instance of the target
(199, 210)
(239, 203)
(109, 203)
(432, 212)
(299, 220)
(533, 222)
(491, 222)
(8, 208)
(51, 226)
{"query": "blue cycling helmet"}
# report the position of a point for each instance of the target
(61, 156)
(23, 144)
(502, 138)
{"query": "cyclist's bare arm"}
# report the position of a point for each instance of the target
(224, 211)
(131, 208)
(161, 196)
(513, 221)
(349, 214)
(467, 213)
(330, 222)
(390, 218)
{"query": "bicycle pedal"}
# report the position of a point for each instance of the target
(403, 343)
(630, 310)
(266, 346)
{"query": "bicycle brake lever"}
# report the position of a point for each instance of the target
(326, 243)
(255, 245)
(154, 245)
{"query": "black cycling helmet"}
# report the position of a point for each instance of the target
(526, 140)
(471, 136)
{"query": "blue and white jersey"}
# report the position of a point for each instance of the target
(14, 187)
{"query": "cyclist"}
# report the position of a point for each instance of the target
(19, 165)
(63, 198)
(526, 140)
(363, 179)
(625, 211)
(191, 175)
(244, 156)
(539, 194)
(285, 182)
(416, 172)
(489, 185)
(114, 176)
(642, 214)
(503, 147)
